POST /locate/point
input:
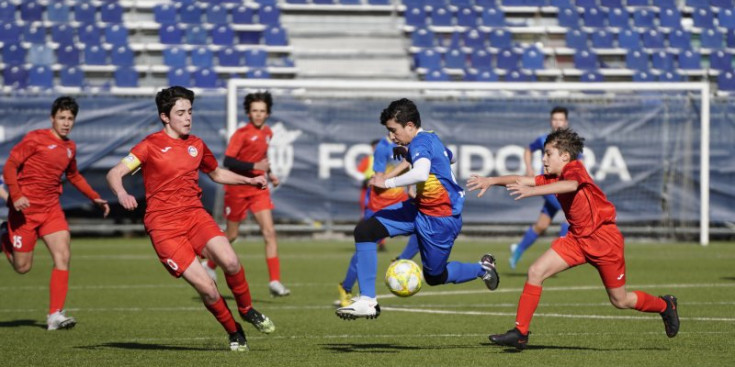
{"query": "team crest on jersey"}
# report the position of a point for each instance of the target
(193, 151)
(52, 146)
(69, 153)
(281, 152)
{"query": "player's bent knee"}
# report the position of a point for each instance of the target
(231, 266)
(22, 268)
(436, 279)
(370, 230)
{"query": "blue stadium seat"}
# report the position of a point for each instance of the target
(62, 33)
(378, 2)
(680, 39)
(610, 4)
(202, 57)
(474, 38)
(229, 56)
(34, 34)
(190, 14)
(730, 38)
(13, 54)
(196, 35)
(174, 57)
(126, 77)
(454, 58)
(58, 12)
(586, 3)
(722, 4)
(179, 76)
(461, 3)
(428, 59)
(255, 58)
(275, 36)
(85, 13)
(415, 17)
(594, 17)
(483, 3)
(726, 18)
(15, 76)
(31, 11)
(591, 77)
(257, 74)
(690, 60)
(665, 4)
(703, 18)
(41, 55)
(618, 18)
(726, 81)
(68, 55)
(636, 59)
(720, 60)
(111, 13)
(568, 17)
(269, 15)
(500, 38)
(467, 17)
(116, 35)
(165, 13)
(7, 12)
(481, 59)
(662, 60)
(171, 34)
(223, 35)
(90, 34)
(480, 76)
(603, 39)
(249, 37)
(441, 16)
(519, 76)
(643, 17)
(532, 58)
(585, 60)
(576, 39)
(450, 40)
(217, 14)
(670, 76)
(670, 18)
(122, 56)
(71, 77)
(41, 76)
(205, 78)
(436, 75)
(493, 17)
(697, 3)
(711, 38)
(507, 59)
(95, 55)
(653, 39)
(637, 3)
(422, 37)
(643, 76)
(243, 15)
(10, 33)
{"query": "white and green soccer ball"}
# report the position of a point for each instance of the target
(403, 278)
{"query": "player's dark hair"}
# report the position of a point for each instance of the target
(374, 142)
(65, 103)
(167, 98)
(403, 111)
(258, 97)
(560, 109)
(566, 141)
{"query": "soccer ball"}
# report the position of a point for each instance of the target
(403, 278)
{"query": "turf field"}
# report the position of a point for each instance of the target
(130, 312)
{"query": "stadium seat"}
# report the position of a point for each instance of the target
(111, 13)
(10, 33)
(423, 37)
(13, 54)
(720, 60)
(174, 57)
(664, 4)
(585, 60)
(591, 77)
(57, 12)
(703, 18)
(500, 38)
(568, 17)
(722, 4)
(662, 60)
(202, 57)
(243, 15)
(41, 76)
(85, 13)
(228, 56)
(90, 34)
(519, 76)
(34, 34)
(116, 35)
(697, 3)
(205, 78)
(349, 2)
(532, 59)
(611, 4)
(122, 56)
(467, 17)
(726, 81)
(31, 11)
(126, 77)
(269, 15)
(179, 76)
(618, 18)
(726, 18)
(7, 12)
(454, 58)
(507, 59)
(602, 39)
(474, 38)
(15, 76)
(690, 60)
(71, 77)
(41, 55)
(255, 58)
(196, 35)
(711, 38)
(481, 59)
(68, 55)
(643, 76)
(483, 3)
(594, 17)
(451, 40)
(217, 14)
(481, 76)
(643, 18)
(378, 2)
(441, 17)
(680, 39)
(636, 59)
(576, 39)
(586, 3)
(223, 35)
(637, 3)
(436, 75)
(165, 13)
(415, 17)
(257, 74)
(730, 38)
(493, 17)
(249, 37)
(275, 36)
(190, 14)
(171, 34)
(62, 33)
(670, 76)
(670, 18)
(95, 55)
(428, 59)
(653, 39)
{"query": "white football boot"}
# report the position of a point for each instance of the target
(211, 272)
(59, 320)
(277, 289)
(360, 307)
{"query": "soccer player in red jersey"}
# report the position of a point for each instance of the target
(179, 227)
(33, 174)
(593, 236)
(245, 154)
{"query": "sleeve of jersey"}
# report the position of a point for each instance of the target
(17, 157)
(137, 156)
(419, 149)
(578, 173)
(233, 147)
(76, 179)
(209, 162)
(537, 144)
(545, 179)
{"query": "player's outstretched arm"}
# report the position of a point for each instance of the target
(114, 180)
(527, 159)
(520, 190)
(483, 183)
(227, 177)
(10, 173)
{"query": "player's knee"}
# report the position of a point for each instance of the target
(536, 273)
(22, 268)
(436, 279)
(370, 230)
(540, 229)
(231, 266)
(619, 302)
(269, 233)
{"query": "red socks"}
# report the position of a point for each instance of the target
(240, 289)
(58, 287)
(211, 264)
(274, 268)
(222, 313)
(649, 303)
(527, 306)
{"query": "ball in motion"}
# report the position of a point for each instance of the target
(403, 278)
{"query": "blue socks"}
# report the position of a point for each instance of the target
(458, 272)
(527, 241)
(411, 249)
(564, 229)
(366, 254)
(351, 275)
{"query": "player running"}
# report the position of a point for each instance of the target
(179, 227)
(435, 216)
(33, 174)
(593, 236)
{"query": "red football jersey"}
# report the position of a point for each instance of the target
(171, 170)
(587, 208)
(248, 144)
(35, 167)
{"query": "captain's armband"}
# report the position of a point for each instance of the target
(131, 161)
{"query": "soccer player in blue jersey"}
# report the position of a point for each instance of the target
(435, 216)
(558, 120)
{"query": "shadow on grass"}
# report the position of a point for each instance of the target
(21, 323)
(231, 300)
(728, 278)
(385, 348)
(559, 347)
(141, 346)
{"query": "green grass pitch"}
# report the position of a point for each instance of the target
(130, 312)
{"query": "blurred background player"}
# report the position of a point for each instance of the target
(33, 174)
(247, 145)
(593, 237)
(179, 227)
(383, 162)
(558, 120)
(435, 216)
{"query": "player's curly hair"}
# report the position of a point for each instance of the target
(403, 111)
(258, 97)
(566, 141)
(65, 103)
(166, 98)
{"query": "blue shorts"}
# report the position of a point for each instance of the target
(435, 235)
(551, 205)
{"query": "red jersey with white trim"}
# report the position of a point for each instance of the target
(35, 166)
(248, 144)
(171, 171)
(587, 208)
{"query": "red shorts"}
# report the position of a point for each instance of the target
(25, 228)
(236, 207)
(179, 238)
(604, 250)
